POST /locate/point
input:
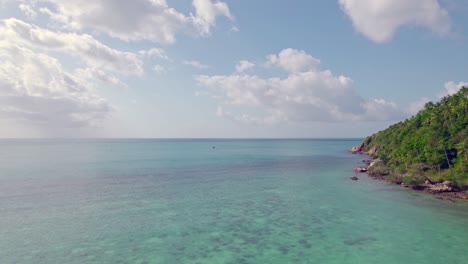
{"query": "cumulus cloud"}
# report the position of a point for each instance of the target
(234, 29)
(206, 13)
(452, 87)
(292, 60)
(50, 76)
(35, 88)
(159, 69)
(152, 20)
(244, 65)
(416, 106)
(155, 53)
(28, 11)
(379, 20)
(195, 64)
(85, 47)
(274, 118)
(306, 94)
(127, 20)
(91, 74)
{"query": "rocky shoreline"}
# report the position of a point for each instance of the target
(444, 191)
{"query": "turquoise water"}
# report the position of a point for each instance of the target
(243, 201)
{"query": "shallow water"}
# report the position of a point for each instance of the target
(243, 201)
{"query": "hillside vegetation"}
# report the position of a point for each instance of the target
(432, 145)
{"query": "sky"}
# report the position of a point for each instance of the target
(225, 69)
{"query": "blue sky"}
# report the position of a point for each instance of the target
(204, 68)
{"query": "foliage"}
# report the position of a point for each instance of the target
(434, 142)
(413, 180)
(378, 168)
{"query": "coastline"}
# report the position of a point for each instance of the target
(442, 191)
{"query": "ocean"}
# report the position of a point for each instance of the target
(213, 201)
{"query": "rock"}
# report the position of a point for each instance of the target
(428, 181)
(375, 162)
(418, 187)
(358, 148)
(447, 183)
(439, 188)
(378, 174)
(354, 178)
(373, 151)
(360, 169)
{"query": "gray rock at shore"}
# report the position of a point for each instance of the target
(375, 163)
(438, 188)
(360, 149)
(376, 169)
(360, 169)
(373, 151)
(447, 183)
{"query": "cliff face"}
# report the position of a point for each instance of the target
(431, 145)
(361, 148)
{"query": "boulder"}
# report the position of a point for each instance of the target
(360, 169)
(358, 148)
(439, 188)
(376, 162)
(428, 181)
(398, 181)
(354, 178)
(447, 183)
(373, 151)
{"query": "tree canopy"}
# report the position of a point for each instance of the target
(433, 143)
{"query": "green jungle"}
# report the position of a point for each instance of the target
(430, 146)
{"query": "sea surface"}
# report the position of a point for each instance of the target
(213, 201)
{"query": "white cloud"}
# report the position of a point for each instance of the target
(28, 10)
(85, 47)
(35, 88)
(274, 118)
(152, 20)
(127, 20)
(380, 19)
(417, 106)
(452, 87)
(380, 110)
(292, 60)
(91, 74)
(159, 69)
(195, 64)
(234, 29)
(206, 12)
(49, 76)
(244, 65)
(306, 94)
(155, 53)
